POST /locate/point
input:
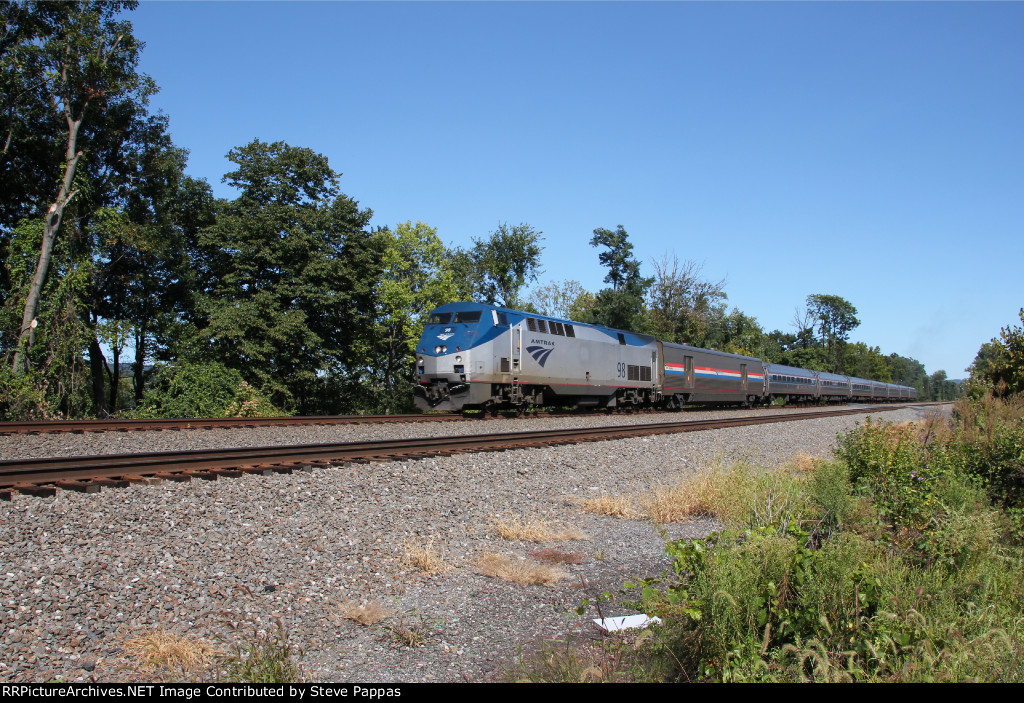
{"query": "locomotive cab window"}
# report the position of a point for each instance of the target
(468, 316)
(440, 318)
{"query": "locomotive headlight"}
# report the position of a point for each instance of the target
(443, 348)
(420, 360)
(458, 360)
(437, 349)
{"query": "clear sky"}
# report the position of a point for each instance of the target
(884, 142)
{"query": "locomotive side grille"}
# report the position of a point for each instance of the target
(506, 367)
(531, 324)
(569, 331)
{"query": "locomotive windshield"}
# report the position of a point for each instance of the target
(466, 317)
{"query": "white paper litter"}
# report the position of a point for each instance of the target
(626, 622)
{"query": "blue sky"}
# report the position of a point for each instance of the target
(884, 140)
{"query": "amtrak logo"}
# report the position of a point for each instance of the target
(446, 335)
(541, 354)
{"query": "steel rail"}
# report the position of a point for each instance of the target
(64, 471)
(125, 425)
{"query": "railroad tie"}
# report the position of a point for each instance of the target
(256, 470)
(31, 489)
(179, 478)
(142, 480)
(111, 482)
(79, 486)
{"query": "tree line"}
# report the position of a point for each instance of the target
(126, 286)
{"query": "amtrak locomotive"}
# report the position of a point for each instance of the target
(481, 356)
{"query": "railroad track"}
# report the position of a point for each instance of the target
(90, 474)
(207, 423)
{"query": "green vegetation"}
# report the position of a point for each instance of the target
(999, 365)
(113, 261)
(898, 561)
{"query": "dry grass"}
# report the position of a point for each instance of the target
(521, 571)
(365, 613)
(724, 493)
(615, 506)
(555, 556)
(515, 528)
(804, 462)
(691, 497)
(426, 557)
(180, 654)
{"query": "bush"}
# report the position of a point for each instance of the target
(188, 390)
(920, 586)
(23, 396)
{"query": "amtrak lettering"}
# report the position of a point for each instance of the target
(542, 341)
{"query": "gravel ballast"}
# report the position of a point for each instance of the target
(82, 574)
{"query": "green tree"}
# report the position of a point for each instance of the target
(505, 262)
(416, 278)
(681, 304)
(1000, 362)
(623, 268)
(286, 294)
(835, 318)
(27, 140)
(622, 306)
(568, 300)
(88, 63)
(863, 361)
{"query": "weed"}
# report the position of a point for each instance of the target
(180, 655)
(804, 462)
(269, 658)
(614, 506)
(426, 557)
(609, 660)
(515, 528)
(365, 613)
(410, 630)
(554, 556)
(890, 564)
(521, 571)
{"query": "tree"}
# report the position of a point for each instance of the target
(568, 300)
(505, 262)
(681, 304)
(89, 61)
(835, 318)
(416, 278)
(27, 140)
(622, 306)
(289, 263)
(623, 268)
(1000, 362)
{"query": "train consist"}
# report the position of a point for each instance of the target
(480, 356)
